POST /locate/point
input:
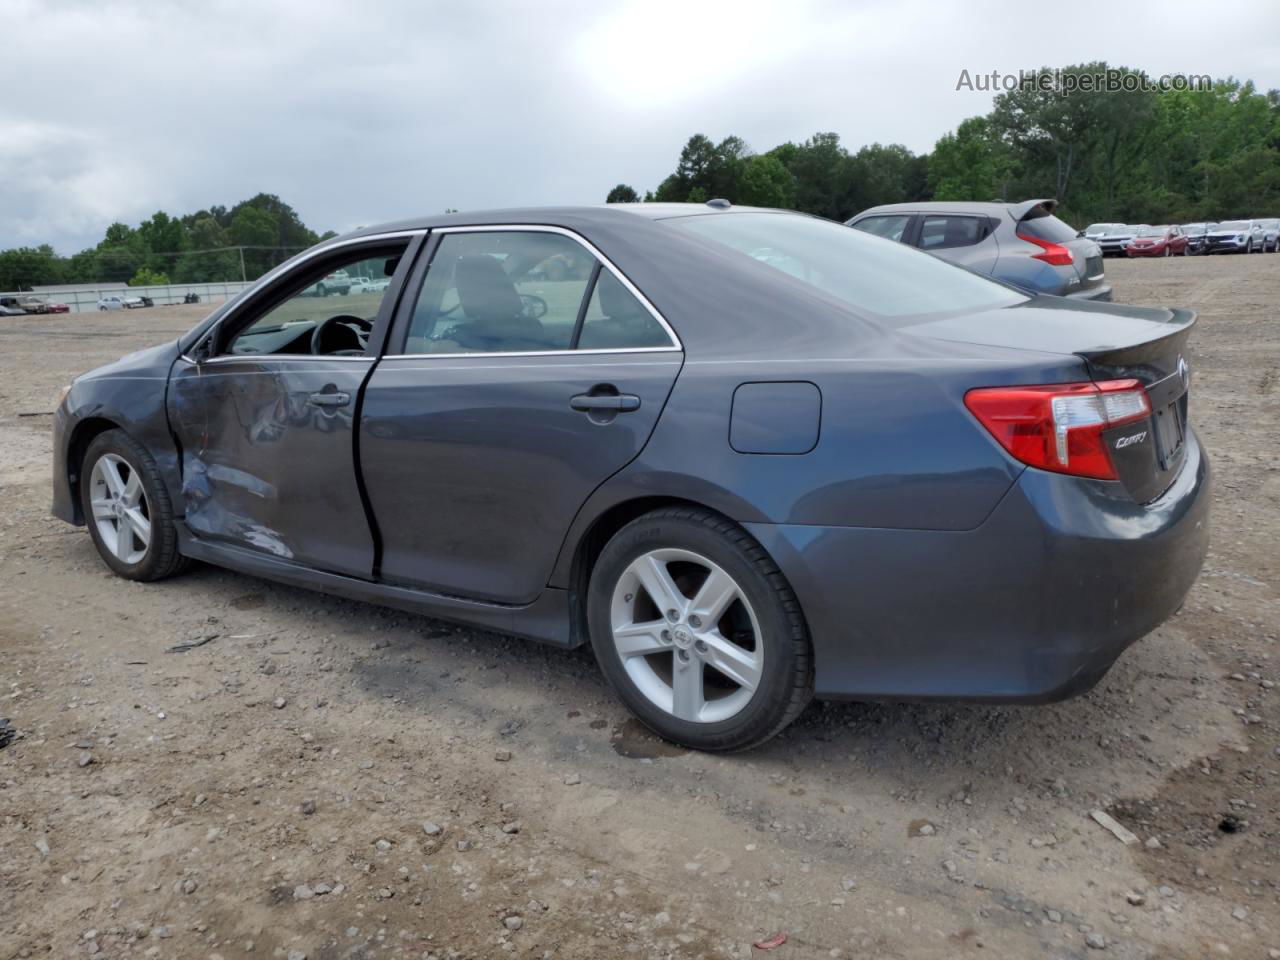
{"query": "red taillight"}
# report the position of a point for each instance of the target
(1059, 427)
(1054, 254)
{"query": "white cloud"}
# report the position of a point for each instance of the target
(357, 113)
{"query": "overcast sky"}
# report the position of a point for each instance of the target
(357, 113)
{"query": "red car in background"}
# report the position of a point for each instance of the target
(1162, 241)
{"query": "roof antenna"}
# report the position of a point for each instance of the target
(719, 203)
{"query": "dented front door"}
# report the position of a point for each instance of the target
(268, 456)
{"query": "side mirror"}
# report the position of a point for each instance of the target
(204, 348)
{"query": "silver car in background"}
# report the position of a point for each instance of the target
(1237, 236)
(1115, 242)
(1270, 236)
(1023, 244)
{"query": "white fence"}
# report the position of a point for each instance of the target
(83, 299)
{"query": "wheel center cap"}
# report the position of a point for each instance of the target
(682, 637)
(118, 508)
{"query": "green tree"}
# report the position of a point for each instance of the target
(766, 182)
(622, 194)
(970, 164)
(253, 227)
(146, 277)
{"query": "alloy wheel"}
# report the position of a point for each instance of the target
(687, 635)
(120, 508)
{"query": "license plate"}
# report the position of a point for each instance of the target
(1169, 433)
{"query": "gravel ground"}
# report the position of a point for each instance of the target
(326, 779)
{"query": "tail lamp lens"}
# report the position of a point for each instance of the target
(1059, 427)
(1054, 254)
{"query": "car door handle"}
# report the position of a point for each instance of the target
(329, 399)
(614, 402)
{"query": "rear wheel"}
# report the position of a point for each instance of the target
(127, 509)
(698, 632)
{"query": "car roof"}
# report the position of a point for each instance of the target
(1016, 210)
(561, 216)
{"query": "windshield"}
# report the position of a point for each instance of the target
(1234, 225)
(875, 276)
(1103, 227)
(1151, 232)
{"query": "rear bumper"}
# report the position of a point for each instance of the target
(1032, 606)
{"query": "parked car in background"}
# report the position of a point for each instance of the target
(26, 303)
(337, 282)
(1270, 235)
(56, 307)
(368, 285)
(1197, 235)
(1236, 236)
(1165, 240)
(1096, 231)
(8, 311)
(1019, 243)
(120, 301)
(1116, 241)
(848, 470)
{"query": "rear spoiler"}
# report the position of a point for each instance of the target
(1031, 209)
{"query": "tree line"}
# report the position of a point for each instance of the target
(1133, 156)
(167, 249)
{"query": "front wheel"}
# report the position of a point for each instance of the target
(127, 508)
(698, 631)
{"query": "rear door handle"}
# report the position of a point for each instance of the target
(329, 399)
(612, 402)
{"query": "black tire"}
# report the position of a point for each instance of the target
(162, 558)
(786, 683)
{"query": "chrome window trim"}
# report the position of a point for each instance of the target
(675, 345)
(272, 275)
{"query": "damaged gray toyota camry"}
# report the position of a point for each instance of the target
(750, 456)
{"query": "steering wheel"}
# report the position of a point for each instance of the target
(341, 335)
(533, 307)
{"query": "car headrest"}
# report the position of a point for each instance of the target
(485, 291)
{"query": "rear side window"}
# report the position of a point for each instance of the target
(889, 227)
(1048, 228)
(616, 320)
(939, 233)
(501, 292)
(524, 291)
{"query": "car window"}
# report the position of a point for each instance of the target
(938, 233)
(1047, 227)
(889, 227)
(325, 298)
(501, 292)
(877, 279)
(616, 320)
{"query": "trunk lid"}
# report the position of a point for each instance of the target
(1116, 342)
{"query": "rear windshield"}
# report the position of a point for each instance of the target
(875, 276)
(1048, 228)
(1234, 225)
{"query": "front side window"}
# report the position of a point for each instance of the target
(939, 233)
(328, 310)
(524, 291)
(890, 227)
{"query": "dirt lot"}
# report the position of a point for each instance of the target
(328, 779)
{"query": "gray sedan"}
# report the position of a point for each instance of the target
(1019, 243)
(749, 456)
